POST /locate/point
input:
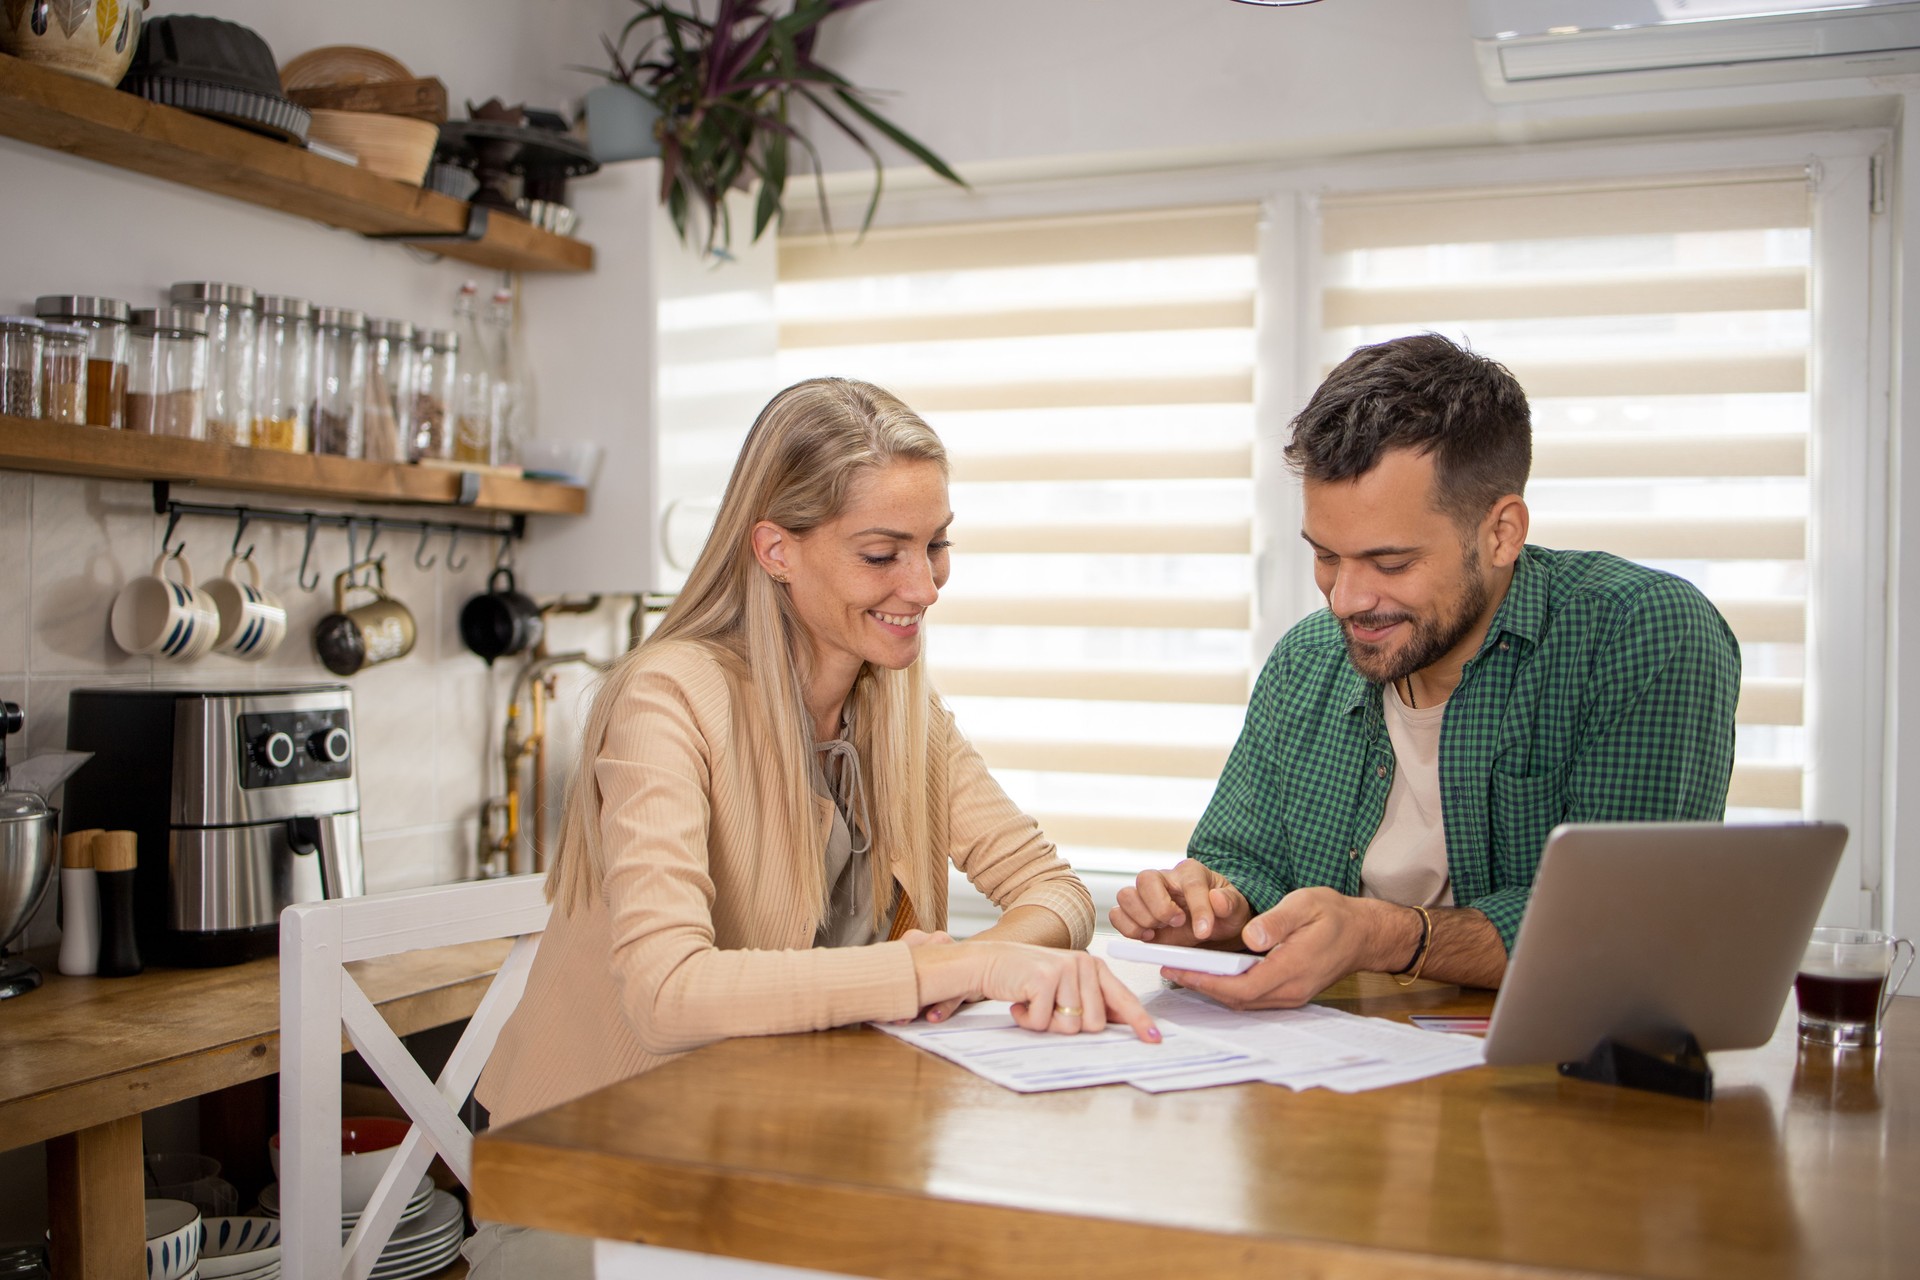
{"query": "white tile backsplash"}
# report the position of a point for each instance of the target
(89, 539)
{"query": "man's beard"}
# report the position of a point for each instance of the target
(1432, 638)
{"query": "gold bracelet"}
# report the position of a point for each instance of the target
(1419, 960)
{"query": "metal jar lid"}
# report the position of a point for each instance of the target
(175, 321)
(339, 318)
(274, 304)
(74, 306)
(211, 293)
(438, 339)
(390, 329)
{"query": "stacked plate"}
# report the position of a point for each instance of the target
(424, 1243)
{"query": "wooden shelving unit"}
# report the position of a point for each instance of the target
(28, 444)
(65, 113)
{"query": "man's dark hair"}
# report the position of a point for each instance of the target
(1426, 394)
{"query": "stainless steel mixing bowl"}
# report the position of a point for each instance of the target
(29, 849)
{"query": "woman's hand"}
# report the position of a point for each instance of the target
(1064, 992)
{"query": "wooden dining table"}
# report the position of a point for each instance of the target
(82, 1058)
(852, 1152)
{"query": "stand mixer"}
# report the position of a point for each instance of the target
(29, 841)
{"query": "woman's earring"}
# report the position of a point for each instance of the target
(777, 578)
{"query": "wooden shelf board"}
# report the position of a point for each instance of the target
(31, 445)
(67, 114)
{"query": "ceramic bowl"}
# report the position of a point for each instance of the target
(173, 1239)
(367, 1145)
(232, 1247)
(93, 39)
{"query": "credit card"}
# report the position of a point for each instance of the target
(1459, 1026)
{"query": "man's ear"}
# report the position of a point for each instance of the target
(1504, 531)
(771, 545)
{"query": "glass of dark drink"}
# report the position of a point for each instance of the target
(1846, 981)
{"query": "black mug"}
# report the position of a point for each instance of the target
(503, 621)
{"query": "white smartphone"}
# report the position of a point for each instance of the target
(1192, 959)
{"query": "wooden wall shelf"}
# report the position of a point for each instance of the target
(81, 118)
(28, 444)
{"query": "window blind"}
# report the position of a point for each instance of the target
(1092, 378)
(1662, 332)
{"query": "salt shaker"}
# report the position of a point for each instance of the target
(79, 905)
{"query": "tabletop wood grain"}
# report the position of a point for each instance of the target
(83, 1051)
(851, 1151)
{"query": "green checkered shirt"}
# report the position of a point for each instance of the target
(1604, 692)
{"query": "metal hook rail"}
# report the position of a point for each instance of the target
(164, 504)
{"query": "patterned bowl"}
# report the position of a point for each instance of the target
(173, 1239)
(237, 1246)
(94, 39)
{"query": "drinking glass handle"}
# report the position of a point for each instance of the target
(1894, 980)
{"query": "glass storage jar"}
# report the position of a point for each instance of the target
(283, 374)
(22, 350)
(105, 321)
(388, 422)
(433, 387)
(167, 373)
(232, 325)
(339, 380)
(63, 392)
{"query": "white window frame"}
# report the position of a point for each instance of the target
(1851, 467)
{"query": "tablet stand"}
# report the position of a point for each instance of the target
(1680, 1069)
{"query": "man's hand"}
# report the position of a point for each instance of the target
(1182, 907)
(1313, 938)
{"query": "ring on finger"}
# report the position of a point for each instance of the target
(1067, 1010)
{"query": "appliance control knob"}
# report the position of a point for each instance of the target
(274, 749)
(330, 747)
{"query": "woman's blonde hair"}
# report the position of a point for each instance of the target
(797, 469)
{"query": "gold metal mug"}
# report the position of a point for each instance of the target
(350, 640)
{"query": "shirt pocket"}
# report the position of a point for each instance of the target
(1520, 813)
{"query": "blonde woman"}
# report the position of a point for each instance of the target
(758, 836)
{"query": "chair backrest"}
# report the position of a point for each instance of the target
(318, 996)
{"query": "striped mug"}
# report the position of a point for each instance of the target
(156, 615)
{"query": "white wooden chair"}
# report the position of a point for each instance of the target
(318, 996)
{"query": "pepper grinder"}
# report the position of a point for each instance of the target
(115, 854)
(79, 905)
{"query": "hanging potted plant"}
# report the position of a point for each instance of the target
(723, 87)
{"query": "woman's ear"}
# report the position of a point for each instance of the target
(771, 545)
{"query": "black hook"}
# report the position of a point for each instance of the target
(307, 554)
(373, 535)
(426, 531)
(503, 558)
(239, 532)
(166, 539)
(453, 545)
(353, 554)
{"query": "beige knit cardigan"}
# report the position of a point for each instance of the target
(697, 934)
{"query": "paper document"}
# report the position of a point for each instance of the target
(986, 1041)
(1204, 1044)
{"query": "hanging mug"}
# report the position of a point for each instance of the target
(252, 619)
(503, 621)
(350, 640)
(168, 619)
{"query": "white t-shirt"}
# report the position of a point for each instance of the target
(1407, 860)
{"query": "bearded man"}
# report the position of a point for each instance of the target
(1408, 748)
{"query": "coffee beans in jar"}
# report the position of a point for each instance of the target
(22, 351)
